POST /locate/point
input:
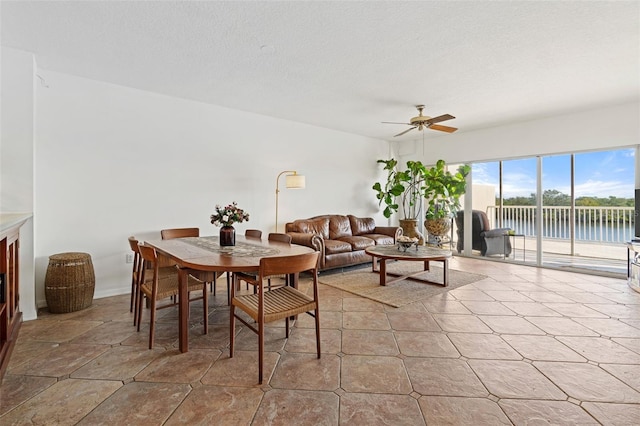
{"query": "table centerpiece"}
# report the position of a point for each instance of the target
(226, 217)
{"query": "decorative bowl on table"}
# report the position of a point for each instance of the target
(404, 243)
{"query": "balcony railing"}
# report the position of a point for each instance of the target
(589, 224)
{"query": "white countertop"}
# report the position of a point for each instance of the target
(8, 220)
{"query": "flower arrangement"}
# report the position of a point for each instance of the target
(227, 216)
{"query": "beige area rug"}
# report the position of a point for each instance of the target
(366, 283)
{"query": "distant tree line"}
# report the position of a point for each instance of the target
(553, 197)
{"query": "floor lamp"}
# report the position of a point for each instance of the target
(292, 181)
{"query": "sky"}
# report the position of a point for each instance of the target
(598, 174)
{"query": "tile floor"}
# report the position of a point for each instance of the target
(523, 346)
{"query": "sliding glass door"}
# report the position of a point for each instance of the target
(557, 209)
(518, 209)
(584, 217)
(604, 198)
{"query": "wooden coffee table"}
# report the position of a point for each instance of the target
(415, 254)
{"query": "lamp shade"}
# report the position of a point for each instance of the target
(294, 181)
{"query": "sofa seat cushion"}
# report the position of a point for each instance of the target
(380, 239)
(340, 260)
(319, 226)
(336, 246)
(358, 243)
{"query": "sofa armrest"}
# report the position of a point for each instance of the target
(310, 240)
(392, 231)
(493, 233)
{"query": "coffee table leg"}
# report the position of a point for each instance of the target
(383, 271)
(445, 272)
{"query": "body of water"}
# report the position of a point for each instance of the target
(584, 232)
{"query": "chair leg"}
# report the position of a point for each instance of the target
(317, 315)
(139, 310)
(229, 288)
(260, 349)
(232, 329)
(205, 307)
(152, 324)
(133, 291)
(286, 326)
(135, 306)
(232, 326)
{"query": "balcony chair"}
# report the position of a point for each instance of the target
(280, 303)
(488, 241)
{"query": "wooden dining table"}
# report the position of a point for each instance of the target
(204, 255)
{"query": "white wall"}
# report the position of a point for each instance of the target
(113, 162)
(596, 129)
(16, 156)
(16, 159)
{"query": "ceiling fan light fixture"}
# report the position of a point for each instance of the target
(422, 121)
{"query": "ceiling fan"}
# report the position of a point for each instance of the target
(422, 121)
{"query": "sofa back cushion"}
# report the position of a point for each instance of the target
(362, 225)
(319, 226)
(339, 226)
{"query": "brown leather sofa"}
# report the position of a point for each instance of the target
(341, 240)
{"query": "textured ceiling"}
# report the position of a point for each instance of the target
(348, 65)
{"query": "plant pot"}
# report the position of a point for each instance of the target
(410, 229)
(227, 236)
(438, 227)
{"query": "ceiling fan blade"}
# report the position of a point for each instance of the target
(395, 122)
(443, 128)
(408, 130)
(440, 118)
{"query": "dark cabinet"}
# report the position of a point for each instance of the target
(10, 315)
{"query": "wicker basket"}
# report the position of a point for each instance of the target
(69, 283)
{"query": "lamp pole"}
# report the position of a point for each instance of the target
(293, 181)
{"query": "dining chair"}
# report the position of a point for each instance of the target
(253, 233)
(171, 233)
(282, 238)
(137, 275)
(273, 236)
(158, 287)
(249, 233)
(266, 305)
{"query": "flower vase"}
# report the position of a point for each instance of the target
(227, 236)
